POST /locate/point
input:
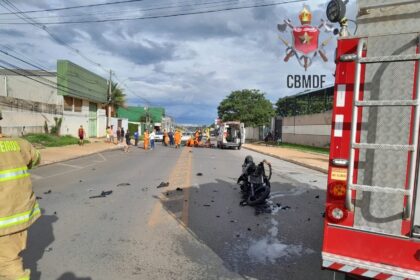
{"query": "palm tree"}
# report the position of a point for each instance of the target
(117, 99)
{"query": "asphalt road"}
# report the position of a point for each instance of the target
(196, 232)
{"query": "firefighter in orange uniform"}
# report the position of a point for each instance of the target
(177, 138)
(18, 206)
(146, 139)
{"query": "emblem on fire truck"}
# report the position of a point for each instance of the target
(305, 39)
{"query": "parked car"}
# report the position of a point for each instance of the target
(186, 136)
(158, 136)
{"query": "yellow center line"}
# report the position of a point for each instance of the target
(180, 176)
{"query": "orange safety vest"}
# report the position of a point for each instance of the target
(18, 206)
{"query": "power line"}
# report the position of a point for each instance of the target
(29, 20)
(76, 7)
(161, 16)
(42, 69)
(185, 4)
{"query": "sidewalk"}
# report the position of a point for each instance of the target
(314, 161)
(57, 154)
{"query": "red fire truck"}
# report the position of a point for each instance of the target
(372, 221)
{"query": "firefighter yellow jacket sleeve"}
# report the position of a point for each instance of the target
(19, 208)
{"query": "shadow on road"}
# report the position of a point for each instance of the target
(40, 237)
(283, 244)
(71, 276)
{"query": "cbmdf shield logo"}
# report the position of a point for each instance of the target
(305, 38)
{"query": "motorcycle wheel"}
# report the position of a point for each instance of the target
(261, 194)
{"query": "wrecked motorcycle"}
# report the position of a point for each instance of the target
(254, 182)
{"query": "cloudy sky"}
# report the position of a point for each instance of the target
(186, 64)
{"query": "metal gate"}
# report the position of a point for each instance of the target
(93, 119)
(384, 146)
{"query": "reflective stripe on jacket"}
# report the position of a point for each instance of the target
(18, 206)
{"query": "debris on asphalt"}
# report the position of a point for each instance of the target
(308, 219)
(48, 192)
(323, 214)
(163, 185)
(55, 212)
(215, 191)
(212, 201)
(233, 221)
(206, 205)
(103, 194)
(286, 207)
(317, 196)
(217, 216)
(145, 189)
(123, 184)
(80, 181)
(38, 197)
(243, 203)
(314, 181)
(179, 189)
(199, 174)
(48, 249)
(237, 235)
(93, 169)
(249, 229)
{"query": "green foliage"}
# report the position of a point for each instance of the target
(248, 106)
(48, 140)
(132, 127)
(55, 130)
(305, 104)
(117, 96)
(305, 148)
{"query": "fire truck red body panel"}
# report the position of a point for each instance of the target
(346, 248)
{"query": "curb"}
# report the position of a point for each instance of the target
(79, 156)
(319, 169)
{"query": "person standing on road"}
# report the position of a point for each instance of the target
(177, 138)
(122, 135)
(19, 209)
(82, 134)
(165, 137)
(111, 134)
(127, 141)
(152, 139)
(136, 138)
(118, 135)
(171, 138)
(146, 139)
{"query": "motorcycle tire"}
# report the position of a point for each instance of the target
(260, 196)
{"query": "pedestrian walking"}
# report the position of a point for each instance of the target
(152, 139)
(136, 138)
(171, 138)
(127, 141)
(146, 139)
(165, 137)
(107, 134)
(111, 134)
(122, 135)
(118, 134)
(82, 134)
(19, 209)
(177, 139)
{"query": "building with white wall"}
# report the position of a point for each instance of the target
(31, 99)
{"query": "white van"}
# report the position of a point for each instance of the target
(231, 135)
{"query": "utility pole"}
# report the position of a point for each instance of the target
(108, 119)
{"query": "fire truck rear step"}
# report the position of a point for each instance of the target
(388, 133)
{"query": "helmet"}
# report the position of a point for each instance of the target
(248, 159)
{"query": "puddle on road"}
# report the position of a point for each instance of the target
(270, 249)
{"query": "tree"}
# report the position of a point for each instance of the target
(117, 97)
(248, 106)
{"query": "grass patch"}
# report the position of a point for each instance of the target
(48, 140)
(305, 148)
